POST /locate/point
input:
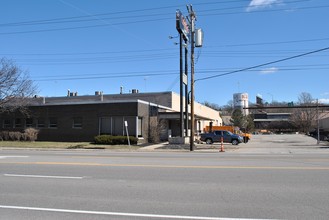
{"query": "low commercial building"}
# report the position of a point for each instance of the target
(147, 116)
(278, 122)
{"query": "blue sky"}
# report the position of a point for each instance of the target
(89, 46)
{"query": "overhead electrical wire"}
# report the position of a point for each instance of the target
(81, 76)
(69, 19)
(174, 49)
(128, 75)
(271, 43)
(80, 58)
(88, 53)
(92, 16)
(264, 64)
(260, 11)
(114, 13)
(106, 77)
(96, 17)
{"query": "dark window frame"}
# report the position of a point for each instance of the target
(8, 124)
(29, 122)
(18, 123)
(41, 125)
(52, 123)
(77, 123)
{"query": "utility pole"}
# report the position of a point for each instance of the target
(181, 85)
(183, 30)
(186, 91)
(193, 18)
(318, 121)
(188, 32)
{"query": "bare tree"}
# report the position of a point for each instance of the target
(15, 86)
(228, 108)
(304, 118)
(212, 105)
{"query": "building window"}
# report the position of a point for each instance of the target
(6, 123)
(77, 122)
(41, 123)
(29, 122)
(140, 127)
(18, 123)
(52, 123)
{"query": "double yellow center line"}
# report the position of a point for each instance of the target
(172, 166)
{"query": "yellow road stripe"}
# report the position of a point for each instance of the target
(170, 166)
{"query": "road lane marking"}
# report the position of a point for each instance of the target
(171, 166)
(4, 157)
(41, 176)
(118, 213)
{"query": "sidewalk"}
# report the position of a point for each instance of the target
(186, 147)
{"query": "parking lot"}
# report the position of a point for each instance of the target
(259, 144)
(290, 143)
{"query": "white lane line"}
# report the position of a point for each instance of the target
(41, 176)
(4, 157)
(119, 213)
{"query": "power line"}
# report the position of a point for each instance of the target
(106, 77)
(81, 76)
(211, 52)
(145, 73)
(230, 8)
(73, 19)
(114, 59)
(130, 75)
(274, 42)
(265, 64)
(94, 17)
(261, 11)
(170, 50)
(89, 53)
(82, 27)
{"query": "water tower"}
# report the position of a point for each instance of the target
(240, 101)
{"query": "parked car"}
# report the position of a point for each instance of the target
(233, 129)
(216, 136)
(324, 135)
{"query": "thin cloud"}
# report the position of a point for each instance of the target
(269, 70)
(324, 101)
(261, 4)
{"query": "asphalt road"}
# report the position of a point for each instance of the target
(282, 177)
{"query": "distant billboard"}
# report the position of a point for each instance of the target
(182, 25)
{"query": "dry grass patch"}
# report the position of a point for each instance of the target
(62, 145)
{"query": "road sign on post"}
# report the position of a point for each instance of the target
(126, 126)
(182, 25)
